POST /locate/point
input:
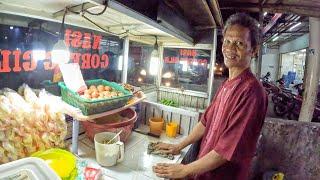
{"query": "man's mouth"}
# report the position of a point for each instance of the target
(232, 57)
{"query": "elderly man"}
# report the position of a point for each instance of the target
(230, 126)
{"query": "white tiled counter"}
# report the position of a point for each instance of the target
(137, 164)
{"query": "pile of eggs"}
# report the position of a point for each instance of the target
(100, 92)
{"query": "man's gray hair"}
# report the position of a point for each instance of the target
(247, 22)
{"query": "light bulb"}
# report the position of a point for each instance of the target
(60, 53)
(38, 51)
(143, 72)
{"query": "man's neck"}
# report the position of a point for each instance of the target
(234, 72)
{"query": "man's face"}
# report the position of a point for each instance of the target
(236, 47)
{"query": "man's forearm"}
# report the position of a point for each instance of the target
(195, 135)
(210, 161)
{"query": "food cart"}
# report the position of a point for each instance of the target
(155, 59)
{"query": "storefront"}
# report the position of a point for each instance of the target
(294, 62)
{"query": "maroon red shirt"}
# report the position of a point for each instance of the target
(233, 122)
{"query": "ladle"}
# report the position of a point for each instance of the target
(115, 136)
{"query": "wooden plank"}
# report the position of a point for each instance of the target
(176, 119)
(180, 121)
(165, 95)
(170, 95)
(200, 103)
(193, 123)
(149, 113)
(205, 103)
(181, 100)
(188, 101)
(143, 113)
(190, 124)
(176, 98)
(185, 121)
(160, 95)
(194, 102)
(157, 112)
(166, 116)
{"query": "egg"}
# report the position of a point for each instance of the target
(87, 91)
(100, 88)
(95, 94)
(92, 87)
(113, 94)
(108, 95)
(107, 88)
(87, 96)
(101, 96)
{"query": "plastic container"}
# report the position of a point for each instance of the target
(108, 154)
(127, 119)
(27, 168)
(171, 129)
(156, 125)
(61, 161)
(89, 107)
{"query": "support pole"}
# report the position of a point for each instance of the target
(125, 59)
(75, 136)
(259, 60)
(313, 72)
(212, 62)
(158, 80)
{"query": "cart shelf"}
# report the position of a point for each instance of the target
(77, 116)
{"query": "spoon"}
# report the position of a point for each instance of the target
(114, 136)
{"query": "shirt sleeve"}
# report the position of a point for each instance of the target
(244, 124)
(203, 118)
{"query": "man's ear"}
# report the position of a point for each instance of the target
(255, 51)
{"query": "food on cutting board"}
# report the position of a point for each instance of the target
(100, 92)
(29, 123)
(137, 95)
(129, 87)
(153, 150)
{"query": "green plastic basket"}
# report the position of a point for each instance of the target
(89, 107)
(51, 87)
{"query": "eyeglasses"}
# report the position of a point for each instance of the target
(239, 45)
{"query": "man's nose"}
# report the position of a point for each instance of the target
(230, 49)
(231, 46)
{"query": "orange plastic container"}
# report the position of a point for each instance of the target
(156, 125)
(171, 129)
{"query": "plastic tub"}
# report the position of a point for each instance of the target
(27, 168)
(107, 124)
(156, 125)
(61, 161)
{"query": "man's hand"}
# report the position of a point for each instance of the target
(171, 171)
(168, 148)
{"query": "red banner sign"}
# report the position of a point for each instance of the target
(22, 61)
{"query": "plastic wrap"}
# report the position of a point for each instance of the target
(29, 123)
